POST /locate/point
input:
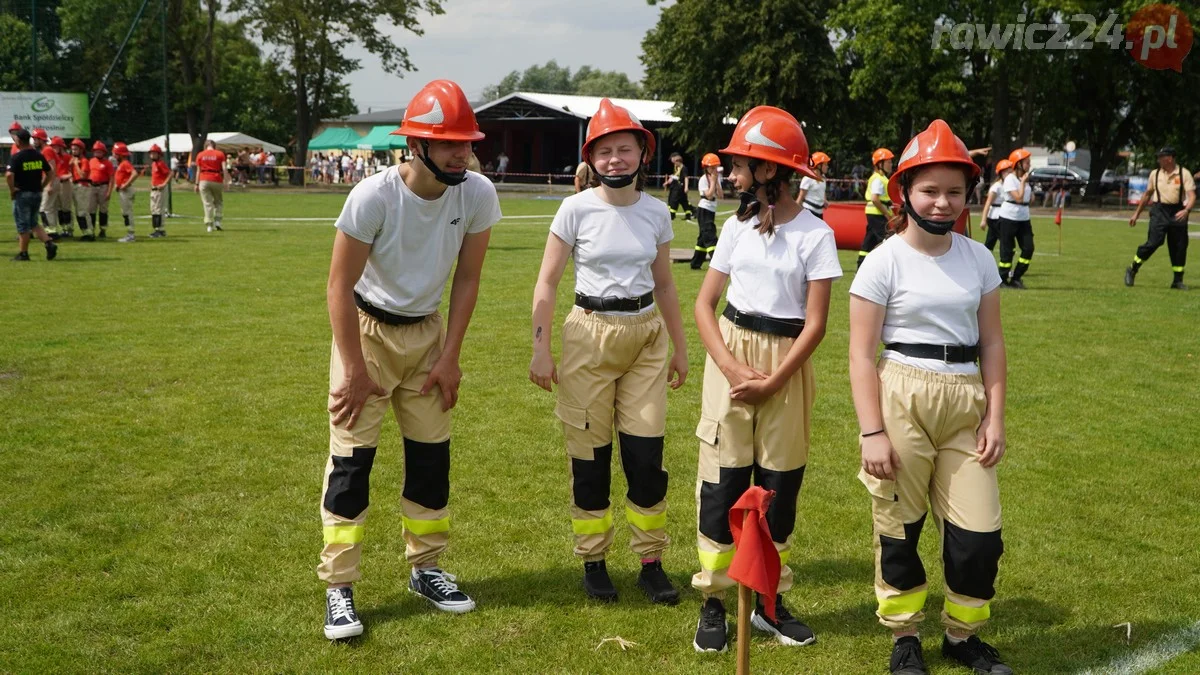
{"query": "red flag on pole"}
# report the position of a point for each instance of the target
(1058, 217)
(755, 562)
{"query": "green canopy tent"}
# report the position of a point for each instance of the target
(381, 138)
(335, 138)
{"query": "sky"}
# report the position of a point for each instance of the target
(477, 42)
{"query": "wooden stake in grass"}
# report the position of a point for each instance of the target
(755, 564)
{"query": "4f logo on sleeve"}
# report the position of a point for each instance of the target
(456, 221)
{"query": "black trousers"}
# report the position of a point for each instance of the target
(1015, 233)
(707, 220)
(993, 233)
(876, 231)
(677, 200)
(1164, 227)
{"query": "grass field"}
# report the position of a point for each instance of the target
(164, 437)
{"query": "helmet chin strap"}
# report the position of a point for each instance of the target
(618, 182)
(444, 177)
(938, 227)
(749, 198)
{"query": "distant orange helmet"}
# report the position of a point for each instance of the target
(99, 146)
(936, 145)
(819, 158)
(1018, 155)
(611, 118)
(710, 159)
(58, 142)
(120, 149)
(78, 144)
(1003, 165)
(880, 155)
(155, 148)
(772, 135)
(15, 126)
(40, 134)
(440, 112)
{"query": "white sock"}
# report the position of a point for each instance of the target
(896, 638)
(955, 640)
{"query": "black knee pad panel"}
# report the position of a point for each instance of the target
(972, 560)
(899, 563)
(717, 498)
(781, 517)
(427, 473)
(592, 479)
(349, 483)
(642, 459)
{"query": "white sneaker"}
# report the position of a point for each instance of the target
(210, 228)
(126, 239)
(341, 621)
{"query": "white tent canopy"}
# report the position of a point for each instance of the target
(226, 140)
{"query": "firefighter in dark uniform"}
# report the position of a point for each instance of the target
(677, 188)
(1171, 191)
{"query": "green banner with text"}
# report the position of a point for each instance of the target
(59, 113)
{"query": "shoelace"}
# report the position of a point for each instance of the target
(441, 580)
(341, 607)
(910, 655)
(712, 617)
(983, 648)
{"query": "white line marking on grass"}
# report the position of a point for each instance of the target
(1154, 654)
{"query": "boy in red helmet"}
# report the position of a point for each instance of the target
(160, 174)
(62, 170)
(123, 182)
(41, 143)
(400, 234)
(82, 189)
(100, 173)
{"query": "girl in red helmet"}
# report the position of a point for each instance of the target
(879, 204)
(160, 175)
(1015, 226)
(931, 418)
(615, 364)
(82, 189)
(991, 206)
(709, 187)
(779, 262)
(100, 173)
(812, 189)
(123, 182)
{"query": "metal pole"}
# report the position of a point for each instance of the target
(33, 34)
(120, 51)
(165, 107)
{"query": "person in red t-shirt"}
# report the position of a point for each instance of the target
(123, 183)
(211, 184)
(41, 143)
(160, 175)
(80, 176)
(100, 173)
(62, 171)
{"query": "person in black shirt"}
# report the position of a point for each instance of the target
(28, 175)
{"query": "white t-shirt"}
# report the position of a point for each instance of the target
(928, 300)
(414, 241)
(769, 274)
(613, 246)
(997, 193)
(707, 204)
(1010, 210)
(358, 164)
(815, 197)
(877, 186)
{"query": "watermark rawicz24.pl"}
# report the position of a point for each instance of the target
(1157, 36)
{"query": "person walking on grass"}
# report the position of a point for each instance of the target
(709, 187)
(1016, 229)
(615, 362)
(160, 174)
(991, 207)
(879, 204)
(812, 188)
(41, 143)
(28, 175)
(399, 235)
(123, 180)
(211, 181)
(1171, 191)
(931, 418)
(677, 188)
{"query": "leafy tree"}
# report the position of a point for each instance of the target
(552, 78)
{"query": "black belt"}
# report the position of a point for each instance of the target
(943, 353)
(814, 207)
(383, 316)
(763, 324)
(612, 304)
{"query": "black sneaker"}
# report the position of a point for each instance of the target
(51, 250)
(21, 257)
(217, 227)
(596, 581)
(1017, 284)
(907, 658)
(1129, 275)
(653, 580)
(87, 237)
(438, 587)
(341, 621)
(788, 629)
(1179, 286)
(712, 633)
(977, 655)
(103, 234)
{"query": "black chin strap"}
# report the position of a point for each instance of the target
(938, 227)
(748, 205)
(443, 177)
(618, 182)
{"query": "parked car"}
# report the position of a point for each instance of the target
(1053, 177)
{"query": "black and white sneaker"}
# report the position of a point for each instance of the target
(788, 629)
(653, 580)
(712, 632)
(51, 250)
(597, 583)
(976, 655)
(438, 587)
(907, 658)
(341, 621)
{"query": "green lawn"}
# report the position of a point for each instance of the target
(165, 436)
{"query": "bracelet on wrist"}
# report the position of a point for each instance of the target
(873, 433)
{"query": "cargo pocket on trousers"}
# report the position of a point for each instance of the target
(885, 507)
(709, 433)
(577, 430)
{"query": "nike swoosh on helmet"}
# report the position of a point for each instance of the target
(756, 136)
(434, 116)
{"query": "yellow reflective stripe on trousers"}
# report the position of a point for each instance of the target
(1177, 269)
(646, 523)
(968, 614)
(424, 527)
(1005, 265)
(343, 534)
(715, 561)
(1024, 261)
(592, 525)
(910, 603)
(785, 556)
(1138, 260)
